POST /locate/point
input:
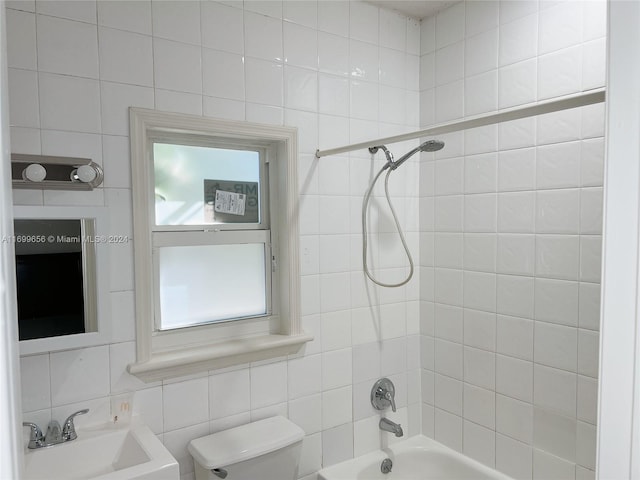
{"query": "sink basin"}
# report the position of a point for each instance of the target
(105, 453)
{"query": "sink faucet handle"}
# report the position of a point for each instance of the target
(69, 428)
(35, 435)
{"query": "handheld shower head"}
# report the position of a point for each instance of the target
(428, 146)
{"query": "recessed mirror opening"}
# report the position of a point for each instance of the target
(55, 260)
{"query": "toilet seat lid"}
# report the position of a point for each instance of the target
(244, 442)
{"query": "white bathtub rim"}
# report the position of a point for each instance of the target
(350, 468)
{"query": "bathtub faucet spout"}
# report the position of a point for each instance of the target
(389, 426)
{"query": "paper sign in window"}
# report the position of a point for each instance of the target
(228, 201)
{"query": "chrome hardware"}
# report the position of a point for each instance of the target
(55, 434)
(386, 466)
(383, 394)
(36, 439)
(219, 472)
(389, 426)
(69, 428)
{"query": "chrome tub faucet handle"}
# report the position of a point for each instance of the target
(383, 394)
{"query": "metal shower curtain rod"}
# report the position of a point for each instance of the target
(546, 106)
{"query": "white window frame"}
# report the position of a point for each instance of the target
(183, 351)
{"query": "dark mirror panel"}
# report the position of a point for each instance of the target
(51, 259)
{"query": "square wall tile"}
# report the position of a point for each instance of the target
(185, 403)
(480, 291)
(177, 21)
(481, 53)
(78, 375)
(480, 406)
(69, 103)
(555, 433)
(555, 389)
(36, 382)
(23, 98)
(67, 47)
(450, 25)
(480, 368)
(516, 254)
(480, 329)
(448, 394)
(479, 443)
(515, 337)
(268, 384)
(517, 84)
(125, 57)
(515, 296)
(516, 212)
(336, 407)
(448, 429)
(229, 393)
(514, 418)
(589, 310)
(333, 17)
(448, 358)
(307, 413)
(558, 165)
(222, 27)
(177, 66)
(21, 40)
(514, 458)
(514, 378)
(549, 466)
(480, 173)
(556, 346)
(557, 301)
(557, 256)
(480, 213)
(300, 45)
(264, 82)
(222, 74)
(560, 73)
(480, 252)
(560, 26)
(129, 16)
(519, 40)
(558, 211)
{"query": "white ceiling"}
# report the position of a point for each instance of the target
(414, 8)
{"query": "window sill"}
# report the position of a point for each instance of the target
(187, 361)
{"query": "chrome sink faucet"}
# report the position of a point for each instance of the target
(55, 434)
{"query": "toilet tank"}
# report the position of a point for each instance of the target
(267, 449)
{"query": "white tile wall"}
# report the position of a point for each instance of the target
(511, 217)
(76, 67)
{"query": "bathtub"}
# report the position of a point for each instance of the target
(417, 458)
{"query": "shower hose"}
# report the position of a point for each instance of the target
(365, 204)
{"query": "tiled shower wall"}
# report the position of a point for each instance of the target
(341, 72)
(510, 238)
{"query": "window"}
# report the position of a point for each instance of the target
(216, 243)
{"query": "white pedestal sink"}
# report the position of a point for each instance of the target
(104, 453)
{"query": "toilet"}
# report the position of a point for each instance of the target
(267, 449)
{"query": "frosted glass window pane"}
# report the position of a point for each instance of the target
(203, 284)
(187, 178)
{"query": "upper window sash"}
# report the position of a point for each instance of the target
(262, 184)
